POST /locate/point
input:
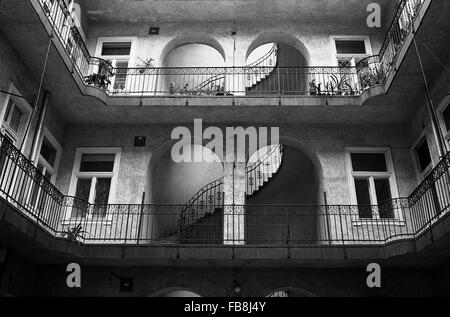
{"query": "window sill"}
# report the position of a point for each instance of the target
(71, 222)
(378, 221)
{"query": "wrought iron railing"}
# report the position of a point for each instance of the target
(206, 201)
(236, 81)
(375, 70)
(25, 190)
(260, 172)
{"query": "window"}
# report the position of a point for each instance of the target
(116, 49)
(372, 182)
(93, 180)
(422, 156)
(47, 164)
(446, 122)
(15, 117)
(119, 52)
(350, 50)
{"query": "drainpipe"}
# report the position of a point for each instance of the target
(439, 138)
(38, 133)
(27, 131)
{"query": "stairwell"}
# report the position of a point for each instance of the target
(201, 220)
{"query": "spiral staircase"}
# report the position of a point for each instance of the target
(255, 73)
(201, 218)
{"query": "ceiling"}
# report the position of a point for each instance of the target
(175, 11)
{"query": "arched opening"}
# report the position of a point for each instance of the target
(277, 63)
(284, 208)
(173, 184)
(201, 58)
(290, 292)
(176, 292)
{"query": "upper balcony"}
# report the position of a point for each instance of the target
(351, 84)
(265, 77)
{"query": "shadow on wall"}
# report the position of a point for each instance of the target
(189, 55)
(297, 182)
(284, 79)
(174, 183)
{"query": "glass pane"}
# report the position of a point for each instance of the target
(101, 196)
(369, 162)
(48, 152)
(97, 163)
(384, 197)
(363, 197)
(446, 115)
(350, 47)
(121, 75)
(82, 192)
(102, 191)
(423, 155)
(115, 49)
(14, 122)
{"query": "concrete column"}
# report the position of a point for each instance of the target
(234, 200)
(235, 57)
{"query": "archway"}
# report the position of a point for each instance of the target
(285, 209)
(172, 184)
(176, 292)
(277, 63)
(291, 292)
(193, 65)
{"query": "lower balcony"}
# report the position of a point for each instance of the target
(31, 204)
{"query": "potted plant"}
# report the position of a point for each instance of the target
(145, 65)
(101, 78)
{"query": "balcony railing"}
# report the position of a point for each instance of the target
(24, 189)
(375, 70)
(232, 81)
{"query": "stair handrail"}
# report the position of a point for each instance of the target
(261, 60)
(205, 83)
(274, 148)
(192, 202)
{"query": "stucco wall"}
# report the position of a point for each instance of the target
(312, 39)
(13, 71)
(324, 145)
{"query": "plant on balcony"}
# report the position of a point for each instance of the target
(314, 90)
(74, 233)
(373, 76)
(145, 65)
(101, 78)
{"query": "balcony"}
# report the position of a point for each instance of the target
(34, 206)
(369, 77)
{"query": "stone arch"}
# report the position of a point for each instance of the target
(279, 37)
(298, 186)
(200, 38)
(291, 141)
(176, 292)
(290, 292)
(170, 185)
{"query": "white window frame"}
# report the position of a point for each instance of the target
(47, 167)
(52, 140)
(442, 107)
(26, 109)
(398, 214)
(76, 175)
(421, 175)
(336, 56)
(131, 59)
